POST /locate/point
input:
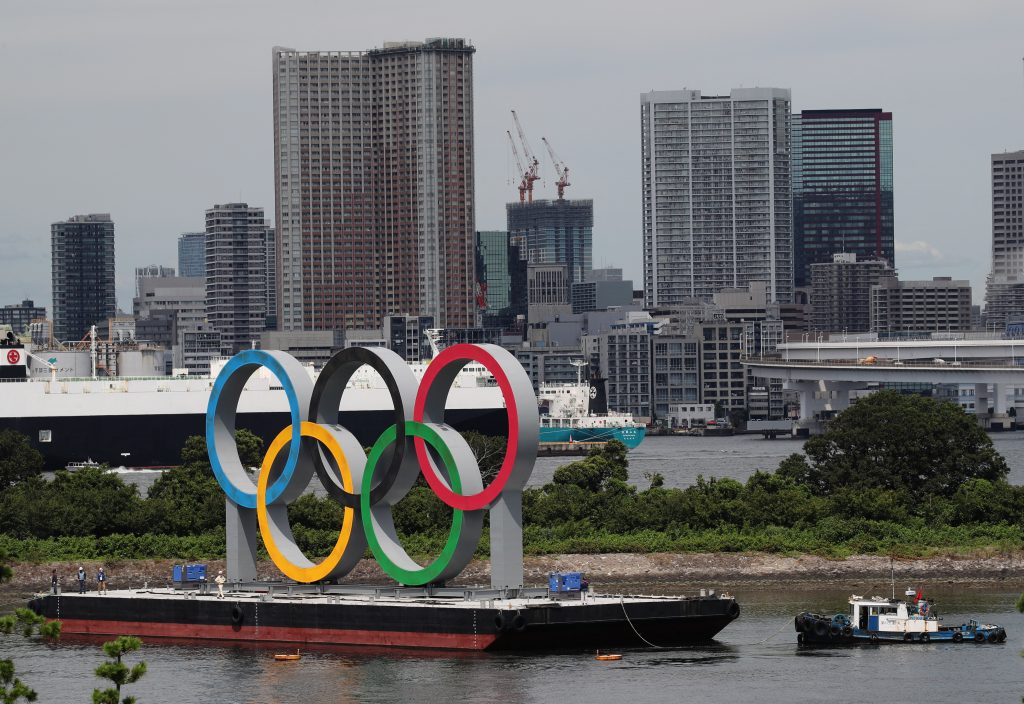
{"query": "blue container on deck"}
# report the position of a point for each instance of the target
(565, 581)
(189, 573)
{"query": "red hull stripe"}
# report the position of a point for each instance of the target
(279, 634)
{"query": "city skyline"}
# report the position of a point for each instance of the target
(215, 140)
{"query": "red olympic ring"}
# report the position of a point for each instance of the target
(454, 355)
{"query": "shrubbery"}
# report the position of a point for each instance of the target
(863, 487)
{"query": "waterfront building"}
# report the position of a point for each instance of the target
(916, 307)
(601, 289)
(501, 279)
(236, 274)
(842, 187)
(82, 274)
(270, 273)
(150, 272)
(20, 315)
(180, 301)
(717, 197)
(556, 232)
(841, 292)
(373, 163)
(406, 336)
(192, 254)
(1004, 291)
(314, 347)
(550, 366)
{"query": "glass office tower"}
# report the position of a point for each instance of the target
(842, 187)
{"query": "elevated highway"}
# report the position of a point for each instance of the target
(825, 373)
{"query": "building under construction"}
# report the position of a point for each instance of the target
(556, 232)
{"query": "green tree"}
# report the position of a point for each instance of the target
(18, 459)
(117, 672)
(11, 688)
(898, 442)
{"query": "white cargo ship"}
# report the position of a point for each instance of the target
(143, 422)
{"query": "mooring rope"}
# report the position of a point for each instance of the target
(785, 624)
(622, 603)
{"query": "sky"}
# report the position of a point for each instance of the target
(154, 110)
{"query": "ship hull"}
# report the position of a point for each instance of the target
(457, 624)
(156, 441)
(630, 437)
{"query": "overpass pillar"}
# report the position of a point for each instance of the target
(981, 400)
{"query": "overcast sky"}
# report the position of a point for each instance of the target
(154, 111)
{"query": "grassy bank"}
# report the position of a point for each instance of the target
(829, 538)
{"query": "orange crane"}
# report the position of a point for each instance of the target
(533, 166)
(561, 170)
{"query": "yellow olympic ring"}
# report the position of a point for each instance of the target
(308, 572)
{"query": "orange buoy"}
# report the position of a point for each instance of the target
(287, 656)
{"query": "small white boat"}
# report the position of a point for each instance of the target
(75, 466)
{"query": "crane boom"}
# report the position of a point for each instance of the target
(533, 165)
(561, 170)
(519, 164)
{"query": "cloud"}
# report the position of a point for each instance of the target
(918, 250)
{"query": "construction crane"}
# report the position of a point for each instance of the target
(519, 165)
(561, 170)
(533, 166)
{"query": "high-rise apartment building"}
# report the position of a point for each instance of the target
(915, 307)
(842, 187)
(556, 232)
(270, 252)
(21, 315)
(717, 197)
(373, 161)
(82, 270)
(236, 274)
(1004, 294)
(841, 292)
(192, 254)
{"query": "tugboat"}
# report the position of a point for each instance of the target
(877, 620)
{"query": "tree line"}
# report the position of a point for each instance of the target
(892, 474)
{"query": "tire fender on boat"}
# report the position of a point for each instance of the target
(979, 637)
(237, 615)
(925, 638)
(993, 637)
(500, 622)
(820, 629)
(907, 637)
(519, 622)
(958, 637)
(847, 630)
(734, 610)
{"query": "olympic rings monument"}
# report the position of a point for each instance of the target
(367, 487)
(421, 612)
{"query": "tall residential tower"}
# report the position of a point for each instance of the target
(1004, 294)
(373, 161)
(82, 268)
(236, 274)
(842, 187)
(717, 208)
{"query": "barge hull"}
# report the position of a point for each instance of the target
(601, 622)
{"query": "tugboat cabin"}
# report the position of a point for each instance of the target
(889, 616)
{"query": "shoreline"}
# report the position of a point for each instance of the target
(721, 570)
